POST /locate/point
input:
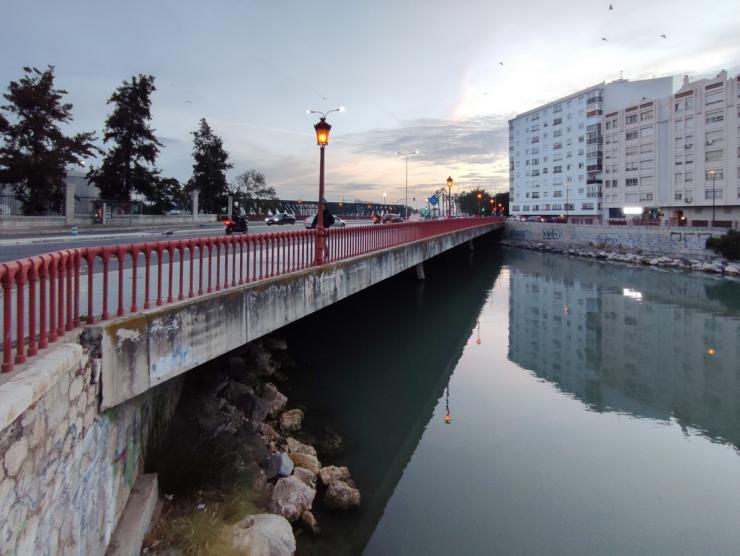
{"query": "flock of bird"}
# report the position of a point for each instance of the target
(611, 7)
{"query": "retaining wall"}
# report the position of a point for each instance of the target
(31, 223)
(648, 239)
(66, 469)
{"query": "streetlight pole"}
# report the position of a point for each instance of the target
(450, 183)
(712, 173)
(322, 139)
(406, 156)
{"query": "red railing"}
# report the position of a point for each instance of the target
(46, 296)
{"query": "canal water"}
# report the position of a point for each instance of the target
(593, 409)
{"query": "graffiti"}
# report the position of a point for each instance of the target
(552, 235)
(177, 360)
(517, 234)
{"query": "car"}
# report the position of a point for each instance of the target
(392, 218)
(338, 222)
(280, 218)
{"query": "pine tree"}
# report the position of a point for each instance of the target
(35, 153)
(209, 169)
(129, 165)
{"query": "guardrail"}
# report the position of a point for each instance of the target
(48, 295)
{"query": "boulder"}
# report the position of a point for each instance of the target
(275, 399)
(309, 523)
(305, 475)
(268, 434)
(253, 407)
(235, 390)
(293, 446)
(341, 496)
(306, 461)
(263, 535)
(291, 497)
(332, 473)
(277, 465)
(732, 270)
(291, 420)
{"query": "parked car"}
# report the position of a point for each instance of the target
(392, 218)
(338, 222)
(280, 218)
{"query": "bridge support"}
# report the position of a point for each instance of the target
(420, 272)
(471, 245)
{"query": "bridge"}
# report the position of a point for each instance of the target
(93, 341)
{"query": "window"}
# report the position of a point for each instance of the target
(714, 138)
(557, 108)
(631, 135)
(647, 131)
(629, 182)
(631, 119)
(536, 195)
(647, 115)
(646, 196)
(714, 97)
(712, 156)
(718, 175)
(678, 196)
(557, 193)
(717, 193)
(646, 148)
(557, 169)
(557, 133)
(630, 166)
(714, 117)
(647, 164)
(587, 206)
(689, 123)
(688, 176)
(557, 121)
(631, 151)
(557, 146)
(535, 161)
(535, 139)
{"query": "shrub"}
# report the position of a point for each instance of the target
(727, 245)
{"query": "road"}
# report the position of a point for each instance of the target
(11, 252)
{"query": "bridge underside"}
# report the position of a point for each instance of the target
(143, 350)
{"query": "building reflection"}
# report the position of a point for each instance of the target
(656, 344)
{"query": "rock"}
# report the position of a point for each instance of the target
(309, 523)
(329, 443)
(235, 390)
(710, 267)
(732, 269)
(295, 447)
(275, 399)
(15, 456)
(277, 465)
(341, 496)
(291, 420)
(268, 433)
(263, 535)
(332, 473)
(291, 497)
(305, 475)
(253, 407)
(306, 461)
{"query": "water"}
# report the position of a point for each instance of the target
(595, 409)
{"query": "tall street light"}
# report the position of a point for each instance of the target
(479, 196)
(322, 140)
(712, 173)
(406, 156)
(450, 183)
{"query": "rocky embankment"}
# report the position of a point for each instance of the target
(714, 266)
(243, 406)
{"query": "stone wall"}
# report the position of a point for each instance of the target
(66, 469)
(647, 239)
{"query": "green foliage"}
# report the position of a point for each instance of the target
(475, 202)
(209, 169)
(169, 194)
(727, 245)
(35, 153)
(128, 166)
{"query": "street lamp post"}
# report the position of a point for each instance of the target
(406, 156)
(450, 183)
(712, 173)
(322, 128)
(479, 196)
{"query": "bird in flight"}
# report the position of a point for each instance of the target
(664, 36)
(603, 39)
(188, 102)
(501, 64)
(611, 7)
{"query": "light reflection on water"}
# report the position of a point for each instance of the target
(594, 409)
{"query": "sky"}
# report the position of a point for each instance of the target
(413, 75)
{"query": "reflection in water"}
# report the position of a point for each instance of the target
(653, 344)
(377, 364)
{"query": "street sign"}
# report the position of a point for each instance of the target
(433, 200)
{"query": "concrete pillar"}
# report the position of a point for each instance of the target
(69, 203)
(471, 246)
(230, 209)
(420, 272)
(194, 197)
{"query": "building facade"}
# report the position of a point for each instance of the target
(677, 157)
(556, 150)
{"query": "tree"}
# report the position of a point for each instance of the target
(35, 153)
(251, 189)
(129, 165)
(470, 203)
(209, 169)
(169, 194)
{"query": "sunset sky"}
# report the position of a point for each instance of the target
(412, 75)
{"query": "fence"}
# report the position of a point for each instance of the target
(46, 296)
(11, 206)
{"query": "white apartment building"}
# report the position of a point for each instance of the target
(555, 150)
(677, 157)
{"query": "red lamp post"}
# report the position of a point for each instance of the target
(322, 140)
(450, 183)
